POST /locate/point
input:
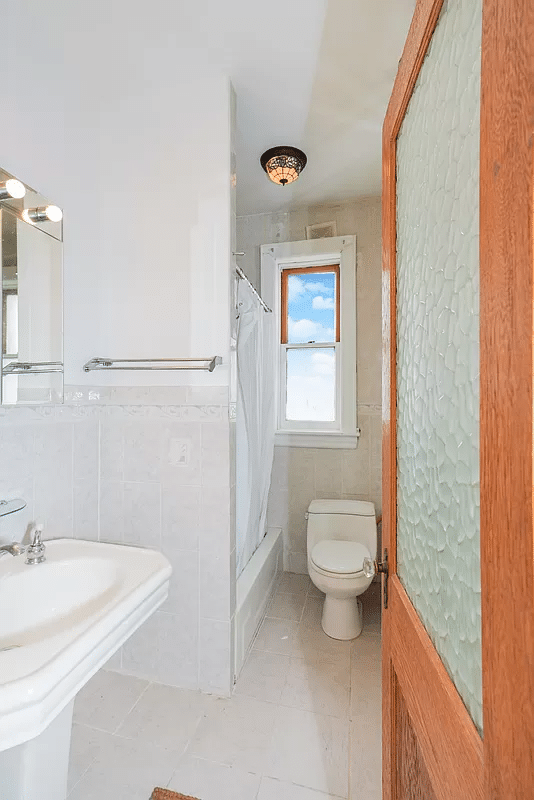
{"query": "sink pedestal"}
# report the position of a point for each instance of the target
(38, 769)
(60, 621)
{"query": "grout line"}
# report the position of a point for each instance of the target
(86, 770)
(149, 684)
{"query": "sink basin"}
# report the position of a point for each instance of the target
(60, 621)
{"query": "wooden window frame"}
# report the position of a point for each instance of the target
(333, 268)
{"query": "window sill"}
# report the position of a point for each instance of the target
(331, 441)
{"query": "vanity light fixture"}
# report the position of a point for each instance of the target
(283, 164)
(12, 189)
(44, 214)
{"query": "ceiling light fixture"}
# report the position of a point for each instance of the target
(283, 164)
(12, 189)
(44, 214)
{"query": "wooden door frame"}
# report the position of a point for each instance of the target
(502, 765)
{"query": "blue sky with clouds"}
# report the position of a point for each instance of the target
(311, 307)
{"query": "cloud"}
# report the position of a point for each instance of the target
(311, 398)
(306, 330)
(311, 385)
(295, 288)
(319, 288)
(324, 363)
(323, 303)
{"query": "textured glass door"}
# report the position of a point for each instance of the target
(438, 489)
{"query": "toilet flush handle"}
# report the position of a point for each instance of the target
(372, 568)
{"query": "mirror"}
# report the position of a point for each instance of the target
(31, 312)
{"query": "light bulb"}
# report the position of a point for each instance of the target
(54, 213)
(44, 214)
(12, 188)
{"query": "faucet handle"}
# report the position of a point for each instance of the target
(35, 551)
(36, 534)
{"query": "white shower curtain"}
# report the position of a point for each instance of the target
(255, 423)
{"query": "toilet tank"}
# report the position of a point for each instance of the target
(345, 520)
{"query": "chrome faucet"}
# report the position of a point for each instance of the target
(35, 552)
(14, 549)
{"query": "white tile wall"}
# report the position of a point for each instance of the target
(300, 475)
(153, 470)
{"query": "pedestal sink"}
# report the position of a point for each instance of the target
(60, 621)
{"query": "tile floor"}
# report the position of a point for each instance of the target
(303, 724)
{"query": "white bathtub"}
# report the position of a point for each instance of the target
(254, 589)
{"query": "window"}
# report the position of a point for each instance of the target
(309, 342)
(311, 288)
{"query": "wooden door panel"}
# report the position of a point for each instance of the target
(413, 781)
(431, 748)
(448, 741)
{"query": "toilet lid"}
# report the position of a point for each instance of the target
(339, 557)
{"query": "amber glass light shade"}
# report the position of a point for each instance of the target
(283, 164)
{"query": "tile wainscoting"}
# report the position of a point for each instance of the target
(147, 466)
(303, 474)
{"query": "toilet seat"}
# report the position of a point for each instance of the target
(339, 557)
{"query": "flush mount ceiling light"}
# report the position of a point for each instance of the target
(12, 189)
(44, 214)
(283, 164)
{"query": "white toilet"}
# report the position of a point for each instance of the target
(341, 533)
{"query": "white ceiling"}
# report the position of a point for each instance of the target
(315, 74)
(324, 88)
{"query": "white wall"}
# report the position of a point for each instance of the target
(303, 474)
(132, 139)
(130, 134)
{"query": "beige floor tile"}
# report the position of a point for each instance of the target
(277, 636)
(291, 583)
(366, 677)
(85, 745)
(313, 612)
(310, 750)
(273, 789)
(165, 717)
(125, 770)
(286, 606)
(308, 641)
(106, 699)
(288, 720)
(321, 685)
(236, 732)
(365, 759)
(210, 781)
(263, 676)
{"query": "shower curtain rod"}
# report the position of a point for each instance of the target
(243, 277)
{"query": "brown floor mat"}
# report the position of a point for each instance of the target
(166, 794)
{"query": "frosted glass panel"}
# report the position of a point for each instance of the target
(438, 347)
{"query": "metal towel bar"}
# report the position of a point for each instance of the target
(31, 367)
(208, 364)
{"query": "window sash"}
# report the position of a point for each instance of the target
(309, 425)
(284, 277)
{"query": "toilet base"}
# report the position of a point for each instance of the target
(342, 619)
